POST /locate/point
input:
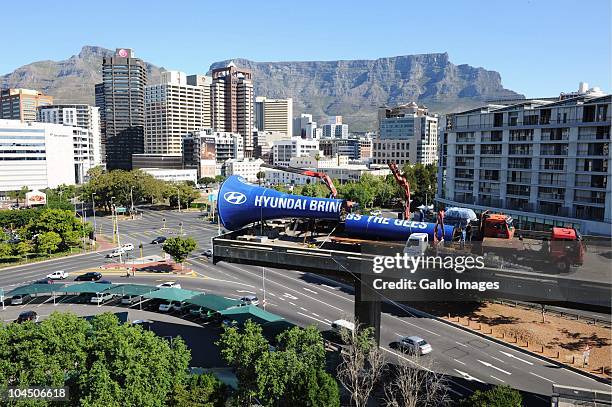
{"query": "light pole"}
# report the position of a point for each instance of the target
(263, 278)
(132, 200)
(178, 192)
(93, 206)
(113, 216)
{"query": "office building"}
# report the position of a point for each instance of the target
(232, 103)
(407, 134)
(355, 148)
(165, 161)
(87, 142)
(99, 102)
(264, 140)
(173, 175)
(205, 83)
(274, 114)
(306, 128)
(207, 150)
(121, 96)
(36, 155)
(284, 150)
(543, 161)
(335, 130)
(247, 168)
(172, 109)
(21, 104)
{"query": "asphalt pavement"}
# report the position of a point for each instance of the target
(470, 361)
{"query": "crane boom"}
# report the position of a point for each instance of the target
(308, 173)
(404, 185)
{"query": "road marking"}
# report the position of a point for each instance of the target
(461, 344)
(418, 327)
(510, 355)
(291, 297)
(292, 304)
(494, 367)
(405, 358)
(467, 376)
(541, 377)
(458, 361)
(309, 290)
(316, 315)
(272, 294)
(496, 378)
(245, 291)
(311, 317)
(327, 320)
(303, 309)
(498, 359)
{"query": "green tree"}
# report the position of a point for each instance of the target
(261, 175)
(19, 195)
(183, 192)
(201, 390)
(47, 242)
(219, 179)
(179, 247)
(22, 248)
(498, 396)
(206, 181)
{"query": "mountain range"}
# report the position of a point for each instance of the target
(351, 88)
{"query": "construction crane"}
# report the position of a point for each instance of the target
(404, 185)
(308, 173)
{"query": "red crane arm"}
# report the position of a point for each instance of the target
(404, 185)
(308, 173)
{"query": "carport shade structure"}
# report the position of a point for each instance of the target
(242, 314)
(212, 302)
(38, 289)
(87, 288)
(132, 289)
(172, 294)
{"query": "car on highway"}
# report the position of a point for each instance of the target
(249, 300)
(415, 345)
(130, 299)
(208, 253)
(100, 298)
(119, 251)
(90, 276)
(128, 247)
(340, 324)
(43, 281)
(169, 284)
(20, 299)
(57, 275)
(159, 240)
(27, 316)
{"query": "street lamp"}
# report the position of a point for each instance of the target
(93, 206)
(132, 200)
(178, 191)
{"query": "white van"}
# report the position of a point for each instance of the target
(100, 298)
(340, 324)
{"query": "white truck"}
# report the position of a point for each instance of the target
(416, 244)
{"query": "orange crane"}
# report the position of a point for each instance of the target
(404, 185)
(309, 173)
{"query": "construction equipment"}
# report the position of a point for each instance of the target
(496, 225)
(404, 185)
(308, 173)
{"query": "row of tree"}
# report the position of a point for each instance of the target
(40, 231)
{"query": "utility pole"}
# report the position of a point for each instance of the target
(179, 198)
(113, 217)
(263, 277)
(93, 206)
(132, 200)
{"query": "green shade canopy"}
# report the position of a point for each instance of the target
(89, 287)
(212, 302)
(132, 289)
(172, 294)
(272, 329)
(38, 289)
(242, 314)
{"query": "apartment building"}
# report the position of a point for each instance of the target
(232, 103)
(247, 168)
(36, 155)
(264, 141)
(407, 134)
(87, 142)
(205, 82)
(207, 150)
(284, 150)
(21, 104)
(172, 109)
(544, 161)
(274, 114)
(355, 148)
(121, 97)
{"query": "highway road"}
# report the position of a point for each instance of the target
(470, 361)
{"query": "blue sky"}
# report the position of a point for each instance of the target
(540, 47)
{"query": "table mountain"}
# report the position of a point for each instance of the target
(354, 89)
(68, 81)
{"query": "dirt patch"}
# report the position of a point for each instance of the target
(553, 336)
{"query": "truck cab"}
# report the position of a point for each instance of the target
(416, 244)
(496, 225)
(566, 248)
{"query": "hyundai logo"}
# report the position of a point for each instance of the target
(235, 198)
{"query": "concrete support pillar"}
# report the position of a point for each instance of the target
(367, 311)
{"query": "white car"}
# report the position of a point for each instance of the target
(208, 252)
(128, 247)
(130, 299)
(119, 251)
(57, 275)
(100, 298)
(168, 306)
(339, 325)
(169, 284)
(250, 300)
(376, 213)
(415, 345)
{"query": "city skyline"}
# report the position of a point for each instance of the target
(466, 31)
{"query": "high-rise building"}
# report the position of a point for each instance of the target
(232, 103)
(21, 104)
(87, 144)
(335, 130)
(407, 134)
(35, 155)
(544, 161)
(124, 79)
(99, 102)
(204, 82)
(274, 114)
(172, 109)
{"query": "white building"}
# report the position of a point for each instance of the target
(546, 161)
(335, 130)
(87, 140)
(284, 150)
(274, 115)
(36, 155)
(246, 168)
(172, 109)
(407, 134)
(264, 140)
(173, 175)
